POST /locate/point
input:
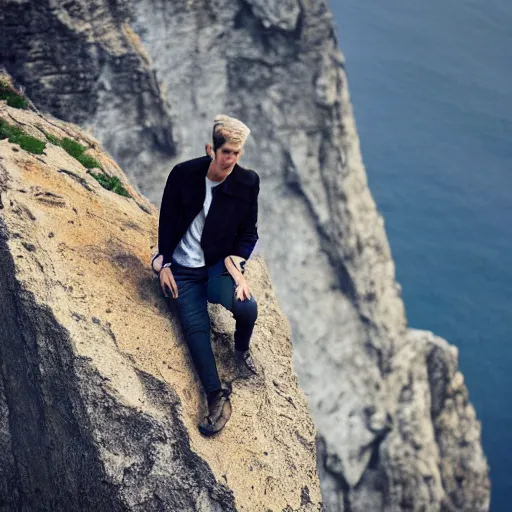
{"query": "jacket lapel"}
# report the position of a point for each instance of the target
(231, 189)
(234, 185)
(194, 191)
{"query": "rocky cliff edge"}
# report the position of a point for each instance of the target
(98, 399)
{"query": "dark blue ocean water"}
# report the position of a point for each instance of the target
(431, 84)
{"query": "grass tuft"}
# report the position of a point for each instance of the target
(14, 99)
(52, 138)
(110, 183)
(89, 162)
(74, 148)
(16, 135)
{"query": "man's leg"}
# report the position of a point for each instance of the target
(221, 290)
(195, 322)
(245, 313)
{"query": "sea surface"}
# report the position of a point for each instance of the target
(431, 85)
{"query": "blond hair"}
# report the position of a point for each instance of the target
(229, 129)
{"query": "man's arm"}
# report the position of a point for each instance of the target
(169, 212)
(247, 234)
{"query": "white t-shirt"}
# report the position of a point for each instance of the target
(189, 252)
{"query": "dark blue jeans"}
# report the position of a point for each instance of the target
(196, 287)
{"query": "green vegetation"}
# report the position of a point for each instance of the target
(14, 99)
(51, 138)
(110, 183)
(89, 162)
(17, 136)
(75, 149)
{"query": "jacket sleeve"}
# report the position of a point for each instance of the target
(247, 234)
(169, 214)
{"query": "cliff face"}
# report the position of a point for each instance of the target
(392, 425)
(99, 403)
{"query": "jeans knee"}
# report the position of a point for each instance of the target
(246, 311)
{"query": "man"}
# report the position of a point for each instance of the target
(207, 229)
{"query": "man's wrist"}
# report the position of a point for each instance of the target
(237, 261)
(155, 257)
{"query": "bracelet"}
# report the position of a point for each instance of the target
(242, 265)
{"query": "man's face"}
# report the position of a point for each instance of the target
(227, 156)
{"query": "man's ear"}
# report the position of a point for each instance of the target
(209, 151)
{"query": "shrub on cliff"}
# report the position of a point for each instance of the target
(16, 135)
(13, 98)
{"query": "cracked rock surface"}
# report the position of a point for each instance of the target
(99, 403)
(157, 73)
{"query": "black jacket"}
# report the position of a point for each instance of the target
(232, 220)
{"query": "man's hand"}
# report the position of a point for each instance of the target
(242, 289)
(233, 266)
(167, 282)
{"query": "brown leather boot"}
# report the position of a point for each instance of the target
(219, 412)
(245, 363)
